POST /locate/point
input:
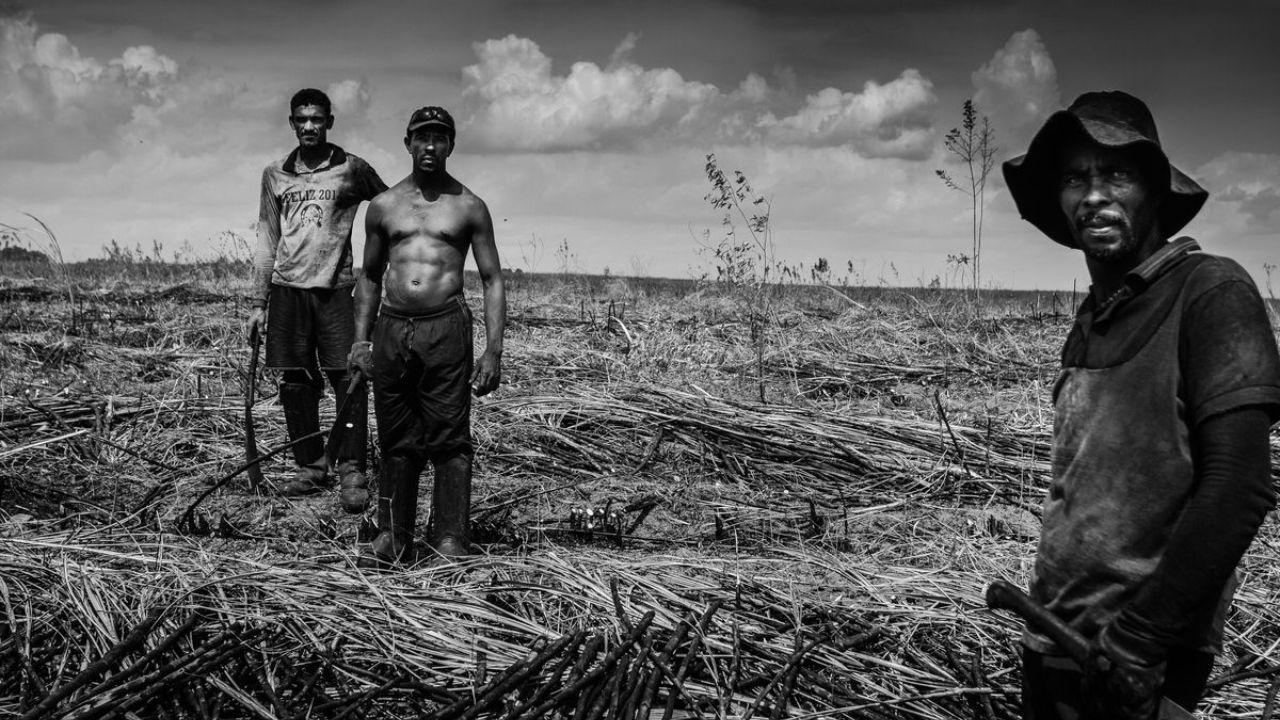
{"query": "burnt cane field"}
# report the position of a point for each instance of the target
(685, 507)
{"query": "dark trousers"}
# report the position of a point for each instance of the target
(310, 329)
(1052, 685)
(422, 383)
(309, 334)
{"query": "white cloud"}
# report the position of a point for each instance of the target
(160, 151)
(512, 101)
(890, 120)
(753, 88)
(1244, 185)
(351, 100)
(622, 53)
(56, 104)
(144, 63)
(1017, 89)
(516, 103)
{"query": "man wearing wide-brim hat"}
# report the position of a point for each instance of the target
(1170, 382)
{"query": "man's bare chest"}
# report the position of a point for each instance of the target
(442, 221)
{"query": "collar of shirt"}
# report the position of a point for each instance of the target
(1140, 278)
(337, 156)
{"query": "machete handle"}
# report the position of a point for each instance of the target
(357, 377)
(1002, 595)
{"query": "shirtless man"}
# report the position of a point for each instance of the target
(418, 352)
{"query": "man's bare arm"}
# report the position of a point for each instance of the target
(368, 294)
(484, 247)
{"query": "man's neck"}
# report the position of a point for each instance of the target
(432, 183)
(1108, 276)
(313, 156)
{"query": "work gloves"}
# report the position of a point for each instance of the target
(1124, 676)
(361, 358)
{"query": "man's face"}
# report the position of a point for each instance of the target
(428, 147)
(311, 124)
(1108, 202)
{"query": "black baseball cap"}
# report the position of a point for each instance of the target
(431, 115)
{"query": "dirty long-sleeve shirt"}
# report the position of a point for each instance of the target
(305, 218)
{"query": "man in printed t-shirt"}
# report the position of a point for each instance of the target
(303, 283)
(1161, 462)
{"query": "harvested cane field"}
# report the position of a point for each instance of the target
(677, 517)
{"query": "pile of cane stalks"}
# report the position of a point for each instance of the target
(112, 624)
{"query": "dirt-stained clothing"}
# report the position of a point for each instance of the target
(311, 329)
(305, 218)
(1186, 338)
(422, 382)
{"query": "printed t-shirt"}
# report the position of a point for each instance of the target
(305, 218)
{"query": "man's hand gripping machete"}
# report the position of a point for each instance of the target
(1004, 596)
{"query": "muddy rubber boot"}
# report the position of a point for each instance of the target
(301, 404)
(397, 514)
(308, 480)
(354, 497)
(451, 508)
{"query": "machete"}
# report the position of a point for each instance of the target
(340, 422)
(250, 438)
(1004, 596)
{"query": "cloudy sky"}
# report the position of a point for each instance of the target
(585, 123)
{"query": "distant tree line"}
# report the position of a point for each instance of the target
(12, 251)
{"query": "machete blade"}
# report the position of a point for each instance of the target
(340, 422)
(250, 437)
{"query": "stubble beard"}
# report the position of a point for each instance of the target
(1131, 244)
(1114, 251)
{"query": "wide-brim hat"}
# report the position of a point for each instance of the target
(1112, 119)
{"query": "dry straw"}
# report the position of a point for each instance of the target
(821, 554)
